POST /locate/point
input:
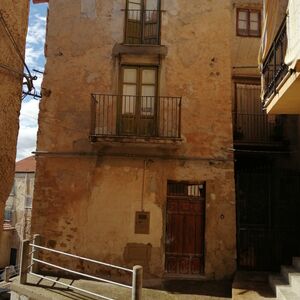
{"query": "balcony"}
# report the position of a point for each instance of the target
(252, 126)
(257, 129)
(274, 68)
(142, 27)
(135, 117)
(281, 82)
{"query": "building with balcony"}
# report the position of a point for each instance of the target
(134, 153)
(266, 151)
(280, 57)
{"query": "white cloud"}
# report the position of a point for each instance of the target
(28, 128)
(35, 40)
(30, 107)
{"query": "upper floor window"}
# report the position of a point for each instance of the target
(142, 25)
(248, 22)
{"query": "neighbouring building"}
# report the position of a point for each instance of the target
(13, 29)
(135, 149)
(280, 57)
(17, 213)
(266, 147)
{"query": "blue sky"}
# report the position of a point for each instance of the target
(35, 60)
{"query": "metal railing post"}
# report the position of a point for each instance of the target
(137, 283)
(24, 261)
(6, 274)
(35, 265)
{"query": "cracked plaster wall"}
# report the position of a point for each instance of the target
(15, 13)
(86, 205)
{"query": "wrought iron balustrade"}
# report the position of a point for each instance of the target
(274, 68)
(257, 128)
(135, 116)
(142, 27)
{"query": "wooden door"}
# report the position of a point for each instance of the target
(138, 101)
(184, 242)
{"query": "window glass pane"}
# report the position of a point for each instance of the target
(134, 15)
(129, 89)
(254, 16)
(254, 26)
(8, 215)
(130, 75)
(151, 16)
(148, 100)
(135, 4)
(128, 105)
(243, 15)
(242, 25)
(151, 4)
(148, 90)
(194, 190)
(149, 76)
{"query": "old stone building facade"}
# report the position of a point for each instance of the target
(134, 152)
(13, 19)
(266, 153)
(17, 213)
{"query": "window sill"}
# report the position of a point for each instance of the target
(134, 49)
(136, 140)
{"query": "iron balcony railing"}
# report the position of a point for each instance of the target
(274, 68)
(142, 27)
(135, 116)
(257, 128)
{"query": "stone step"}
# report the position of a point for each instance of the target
(286, 293)
(276, 281)
(287, 271)
(292, 274)
(296, 262)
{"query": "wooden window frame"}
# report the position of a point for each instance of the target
(248, 11)
(142, 21)
(137, 115)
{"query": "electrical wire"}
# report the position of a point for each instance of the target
(10, 36)
(28, 77)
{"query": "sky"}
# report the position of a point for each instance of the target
(35, 60)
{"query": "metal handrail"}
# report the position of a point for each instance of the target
(29, 265)
(79, 257)
(68, 285)
(79, 273)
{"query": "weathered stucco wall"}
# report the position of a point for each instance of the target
(86, 204)
(245, 49)
(21, 216)
(15, 13)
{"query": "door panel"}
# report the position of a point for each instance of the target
(184, 232)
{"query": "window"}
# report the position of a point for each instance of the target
(28, 201)
(248, 22)
(13, 190)
(8, 215)
(142, 22)
(138, 101)
(186, 189)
